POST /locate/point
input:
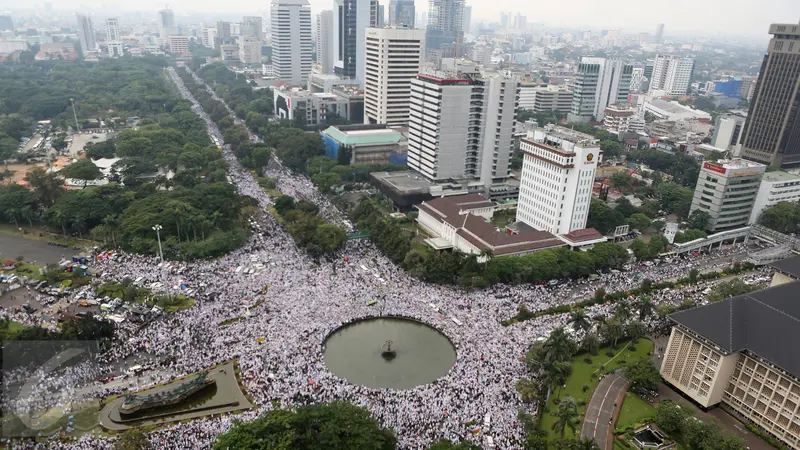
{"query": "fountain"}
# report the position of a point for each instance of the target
(426, 354)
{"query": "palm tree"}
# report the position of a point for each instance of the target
(111, 224)
(585, 444)
(580, 320)
(561, 371)
(622, 311)
(558, 346)
(635, 330)
(528, 389)
(590, 343)
(566, 416)
(612, 331)
(645, 307)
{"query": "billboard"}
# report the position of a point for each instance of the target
(714, 168)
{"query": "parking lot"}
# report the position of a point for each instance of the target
(79, 141)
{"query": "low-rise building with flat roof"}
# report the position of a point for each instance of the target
(366, 144)
(776, 187)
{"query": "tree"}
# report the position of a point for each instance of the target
(134, 439)
(602, 217)
(675, 198)
(783, 217)
(689, 235)
(657, 245)
(558, 347)
(698, 219)
(635, 330)
(608, 255)
(612, 331)
(640, 250)
(585, 444)
(670, 417)
(332, 426)
(590, 343)
(82, 169)
(566, 416)
(643, 374)
(645, 307)
(283, 204)
(639, 221)
(693, 275)
(60, 142)
(46, 186)
(732, 288)
(621, 180)
(580, 320)
(528, 389)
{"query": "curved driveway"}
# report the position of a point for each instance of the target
(601, 408)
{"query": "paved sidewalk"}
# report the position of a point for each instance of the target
(600, 410)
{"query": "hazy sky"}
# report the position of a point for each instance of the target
(729, 17)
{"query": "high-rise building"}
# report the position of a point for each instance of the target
(5, 22)
(558, 168)
(179, 45)
(380, 19)
(166, 24)
(772, 131)
(324, 41)
(545, 99)
(252, 27)
(445, 28)
(467, 20)
(86, 34)
(224, 35)
(599, 83)
(208, 36)
(726, 190)
(659, 36)
(352, 18)
(461, 126)
(519, 22)
(250, 50)
(393, 57)
(291, 40)
(637, 76)
(728, 132)
(671, 74)
(113, 41)
(402, 12)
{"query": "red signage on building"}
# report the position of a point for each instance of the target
(714, 167)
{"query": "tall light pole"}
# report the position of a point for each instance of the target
(158, 228)
(75, 115)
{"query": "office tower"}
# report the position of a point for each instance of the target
(352, 18)
(402, 12)
(208, 36)
(671, 74)
(772, 130)
(726, 190)
(324, 41)
(5, 22)
(467, 20)
(179, 45)
(728, 132)
(86, 34)
(422, 20)
(380, 20)
(250, 50)
(224, 35)
(599, 83)
(461, 126)
(558, 168)
(776, 187)
(648, 68)
(659, 37)
(544, 99)
(291, 40)
(444, 35)
(112, 38)
(505, 20)
(166, 24)
(393, 57)
(252, 27)
(519, 22)
(637, 77)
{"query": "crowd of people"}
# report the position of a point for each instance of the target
(274, 321)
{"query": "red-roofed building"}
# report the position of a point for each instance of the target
(585, 238)
(463, 222)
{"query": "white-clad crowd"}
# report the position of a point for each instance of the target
(294, 303)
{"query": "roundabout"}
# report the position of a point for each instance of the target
(389, 353)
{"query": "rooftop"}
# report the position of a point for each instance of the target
(738, 163)
(765, 323)
(568, 134)
(363, 134)
(780, 175)
(789, 266)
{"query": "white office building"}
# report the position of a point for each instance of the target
(776, 187)
(637, 78)
(86, 34)
(726, 190)
(325, 41)
(461, 126)
(166, 25)
(208, 36)
(250, 50)
(544, 99)
(112, 38)
(558, 169)
(728, 132)
(671, 75)
(393, 56)
(291, 40)
(620, 119)
(599, 83)
(179, 45)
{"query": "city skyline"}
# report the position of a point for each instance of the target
(712, 18)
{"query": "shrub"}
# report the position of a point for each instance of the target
(587, 360)
(610, 354)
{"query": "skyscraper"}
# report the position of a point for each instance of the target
(671, 74)
(252, 26)
(112, 38)
(599, 83)
(380, 18)
(467, 21)
(86, 34)
(166, 24)
(352, 18)
(772, 130)
(251, 36)
(291, 40)
(224, 35)
(393, 57)
(659, 37)
(5, 22)
(324, 41)
(402, 12)
(444, 33)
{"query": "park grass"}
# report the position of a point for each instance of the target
(634, 411)
(586, 374)
(42, 234)
(26, 269)
(14, 327)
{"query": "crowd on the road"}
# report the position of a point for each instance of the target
(285, 311)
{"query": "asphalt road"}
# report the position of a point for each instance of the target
(601, 408)
(33, 250)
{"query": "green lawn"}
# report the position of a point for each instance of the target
(582, 376)
(634, 411)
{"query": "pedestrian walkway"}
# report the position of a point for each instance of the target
(600, 410)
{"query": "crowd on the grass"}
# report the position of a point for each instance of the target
(276, 320)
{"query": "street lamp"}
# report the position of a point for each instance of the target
(75, 115)
(157, 229)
